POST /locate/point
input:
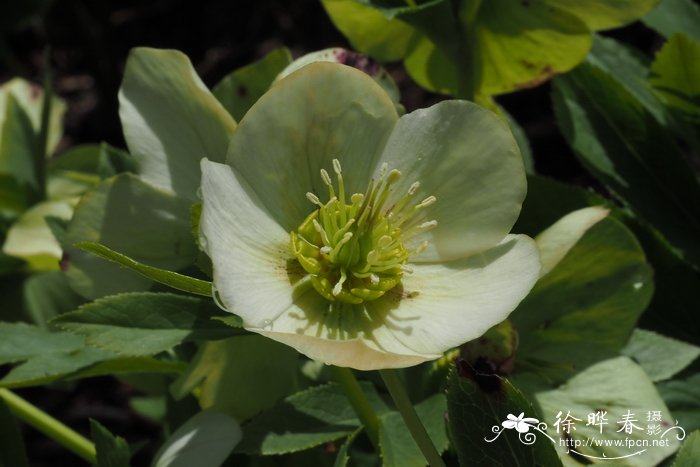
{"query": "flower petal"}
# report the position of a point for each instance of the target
(249, 250)
(466, 157)
(444, 305)
(321, 112)
(522, 427)
(509, 424)
(342, 339)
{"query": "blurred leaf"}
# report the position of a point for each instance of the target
(661, 357)
(690, 451)
(523, 143)
(112, 451)
(136, 219)
(144, 323)
(615, 386)
(476, 402)
(47, 295)
(169, 278)
(12, 450)
(675, 75)
(239, 90)
(101, 159)
(31, 239)
(240, 376)
(683, 399)
(397, 445)
(205, 440)
(585, 309)
(672, 16)
(622, 144)
(343, 457)
(369, 31)
(630, 68)
(151, 407)
(171, 120)
(303, 420)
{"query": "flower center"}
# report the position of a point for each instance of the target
(355, 249)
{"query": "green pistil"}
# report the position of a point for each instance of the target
(355, 252)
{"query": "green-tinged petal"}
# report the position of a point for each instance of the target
(445, 305)
(248, 248)
(467, 158)
(605, 14)
(555, 242)
(369, 31)
(321, 112)
(30, 238)
(336, 337)
(171, 120)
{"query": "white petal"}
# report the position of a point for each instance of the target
(465, 156)
(248, 249)
(341, 339)
(509, 424)
(458, 301)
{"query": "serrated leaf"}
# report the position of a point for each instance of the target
(690, 451)
(169, 278)
(141, 324)
(660, 356)
(477, 405)
(239, 90)
(343, 457)
(112, 451)
(303, 420)
(20, 341)
(585, 308)
(397, 445)
(205, 440)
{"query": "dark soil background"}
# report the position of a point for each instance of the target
(89, 42)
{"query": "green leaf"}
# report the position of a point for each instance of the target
(661, 357)
(12, 450)
(101, 159)
(397, 445)
(20, 341)
(306, 419)
(523, 143)
(240, 376)
(136, 219)
(31, 239)
(171, 120)
(47, 295)
(624, 146)
(585, 309)
(690, 451)
(169, 278)
(144, 323)
(675, 75)
(683, 399)
(672, 16)
(205, 440)
(239, 90)
(343, 457)
(476, 402)
(370, 31)
(615, 386)
(112, 451)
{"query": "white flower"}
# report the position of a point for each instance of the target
(401, 254)
(522, 425)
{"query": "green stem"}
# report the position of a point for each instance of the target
(410, 417)
(359, 403)
(48, 425)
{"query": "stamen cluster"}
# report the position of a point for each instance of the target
(355, 249)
